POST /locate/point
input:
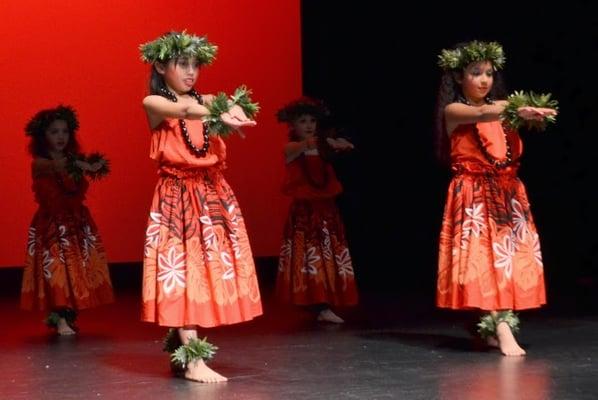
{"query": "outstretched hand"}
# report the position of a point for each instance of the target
(535, 113)
(236, 119)
(85, 166)
(96, 166)
(340, 144)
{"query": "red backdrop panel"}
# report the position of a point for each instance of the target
(85, 54)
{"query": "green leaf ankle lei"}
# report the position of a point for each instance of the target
(488, 323)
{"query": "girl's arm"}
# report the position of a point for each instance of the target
(535, 113)
(340, 144)
(292, 150)
(235, 117)
(158, 108)
(459, 114)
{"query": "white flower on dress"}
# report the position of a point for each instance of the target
(228, 274)
(327, 249)
(63, 242)
(519, 221)
(285, 254)
(89, 241)
(233, 217)
(343, 260)
(172, 270)
(235, 244)
(152, 233)
(209, 236)
(310, 258)
(472, 225)
(503, 253)
(31, 241)
(62, 236)
(89, 236)
(46, 263)
(228, 261)
(61, 257)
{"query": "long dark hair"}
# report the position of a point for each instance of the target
(449, 91)
(38, 125)
(156, 83)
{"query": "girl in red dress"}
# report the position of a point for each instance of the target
(66, 268)
(490, 255)
(198, 269)
(315, 267)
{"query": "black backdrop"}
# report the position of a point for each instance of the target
(376, 69)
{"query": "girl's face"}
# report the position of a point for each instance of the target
(305, 126)
(477, 81)
(180, 74)
(57, 136)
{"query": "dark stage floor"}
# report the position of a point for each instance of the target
(389, 349)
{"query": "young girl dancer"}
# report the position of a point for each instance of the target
(490, 255)
(315, 267)
(66, 268)
(198, 266)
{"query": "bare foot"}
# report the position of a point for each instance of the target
(328, 316)
(507, 343)
(64, 329)
(200, 372)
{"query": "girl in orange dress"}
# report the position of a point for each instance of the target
(65, 268)
(489, 255)
(315, 267)
(198, 269)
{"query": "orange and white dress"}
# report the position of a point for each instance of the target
(65, 263)
(315, 265)
(198, 267)
(490, 256)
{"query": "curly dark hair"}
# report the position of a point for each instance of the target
(449, 91)
(38, 125)
(302, 106)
